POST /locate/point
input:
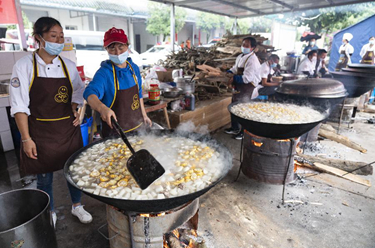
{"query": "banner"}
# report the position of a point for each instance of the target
(8, 14)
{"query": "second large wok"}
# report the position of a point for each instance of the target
(273, 130)
(157, 205)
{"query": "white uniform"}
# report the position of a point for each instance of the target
(265, 70)
(349, 49)
(22, 76)
(307, 65)
(251, 72)
(367, 48)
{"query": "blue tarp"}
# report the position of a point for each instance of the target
(362, 31)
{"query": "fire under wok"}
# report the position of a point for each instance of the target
(155, 205)
(275, 130)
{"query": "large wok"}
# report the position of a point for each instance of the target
(272, 130)
(355, 83)
(157, 205)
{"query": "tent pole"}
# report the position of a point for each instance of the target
(173, 30)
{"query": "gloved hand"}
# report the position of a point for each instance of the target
(238, 79)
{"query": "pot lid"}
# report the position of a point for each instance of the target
(313, 87)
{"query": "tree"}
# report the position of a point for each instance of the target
(159, 21)
(250, 25)
(207, 22)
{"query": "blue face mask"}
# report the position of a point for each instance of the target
(119, 59)
(245, 50)
(52, 48)
(274, 65)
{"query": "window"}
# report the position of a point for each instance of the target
(70, 27)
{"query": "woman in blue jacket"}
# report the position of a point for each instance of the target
(116, 90)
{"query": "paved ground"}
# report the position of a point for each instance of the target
(335, 213)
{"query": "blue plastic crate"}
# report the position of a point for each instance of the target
(87, 122)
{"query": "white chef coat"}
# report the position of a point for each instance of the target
(306, 65)
(366, 48)
(251, 72)
(349, 49)
(265, 70)
(23, 71)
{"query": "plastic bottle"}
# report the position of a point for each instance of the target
(190, 102)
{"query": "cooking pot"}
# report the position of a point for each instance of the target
(25, 220)
(186, 84)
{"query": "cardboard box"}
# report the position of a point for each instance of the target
(68, 44)
(165, 76)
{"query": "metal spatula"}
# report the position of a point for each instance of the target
(144, 168)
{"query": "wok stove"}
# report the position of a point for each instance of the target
(268, 160)
(151, 230)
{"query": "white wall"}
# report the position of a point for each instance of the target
(61, 15)
(106, 22)
(146, 37)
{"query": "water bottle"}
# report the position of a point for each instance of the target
(190, 101)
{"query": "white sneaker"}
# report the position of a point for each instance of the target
(54, 219)
(83, 216)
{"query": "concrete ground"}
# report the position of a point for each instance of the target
(335, 212)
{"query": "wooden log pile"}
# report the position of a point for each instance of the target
(221, 56)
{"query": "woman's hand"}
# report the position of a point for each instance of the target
(147, 121)
(106, 114)
(29, 148)
(76, 120)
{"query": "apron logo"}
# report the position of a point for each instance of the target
(15, 82)
(62, 95)
(135, 104)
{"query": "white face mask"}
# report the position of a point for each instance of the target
(314, 59)
(312, 43)
(119, 59)
(245, 50)
(372, 42)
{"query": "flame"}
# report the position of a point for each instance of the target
(176, 233)
(161, 214)
(191, 244)
(144, 215)
(258, 144)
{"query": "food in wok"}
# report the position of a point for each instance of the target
(190, 165)
(277, 113)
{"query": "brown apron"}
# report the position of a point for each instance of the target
(244, 91)
(51, 123)
(126, 105)
(368, 58)
(343, 61)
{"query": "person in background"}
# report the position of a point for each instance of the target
(188, 43)
(246, 77)
(44, 95)
(310, 47)
(116, 89)
(267, 70)
(320, 67)
(182, 45)
(346, 50)
(308, 65)
(368, 52)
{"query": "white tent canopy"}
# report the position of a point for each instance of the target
(251, 8)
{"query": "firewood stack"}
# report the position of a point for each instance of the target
(222, 55)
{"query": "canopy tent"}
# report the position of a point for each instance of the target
(251, 8)
(361, 32)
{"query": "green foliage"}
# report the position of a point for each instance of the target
(159, 21)
(207, 22)
(330, 20)
(26, 22)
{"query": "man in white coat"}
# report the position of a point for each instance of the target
(307, 65)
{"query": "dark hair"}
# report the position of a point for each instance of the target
(311, 53)
(273, 57)
(253, 42)
(44, 25)
(321, 51)
(371, 37)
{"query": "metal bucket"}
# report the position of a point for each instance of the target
(25, 220)
(266, 160)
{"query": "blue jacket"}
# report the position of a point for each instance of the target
(308, 47)
(103, 83)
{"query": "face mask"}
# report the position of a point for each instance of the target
(312, 43)
(52, 48)
(274, 65)
(372, 42)
(245, 50)
(119, 59)
(314, 59)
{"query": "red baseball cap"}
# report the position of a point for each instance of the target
(115, 35)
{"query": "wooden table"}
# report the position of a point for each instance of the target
(162, 105)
